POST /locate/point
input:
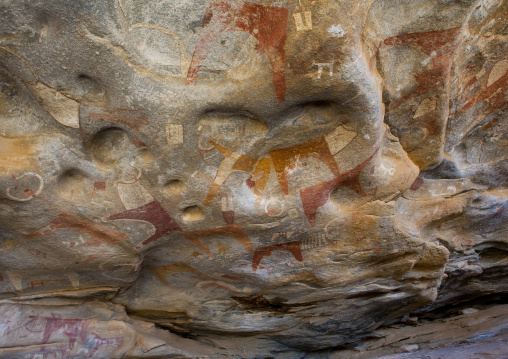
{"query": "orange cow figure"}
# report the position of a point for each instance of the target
(234, 161)
(324, 148)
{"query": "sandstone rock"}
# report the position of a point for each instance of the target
(409, 348)
(247, 178)
(468, 311)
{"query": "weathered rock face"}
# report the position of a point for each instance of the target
(282, 175)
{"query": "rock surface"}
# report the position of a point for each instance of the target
(224, 179)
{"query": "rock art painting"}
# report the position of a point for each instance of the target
(154, 214)
(293, 247)
(28, 193)
(323, 148)
(440, 46)
(99, 234)
(493, 92)
(432, 85)
(266, 23)
(234, 231)
(253, 179)
(72, 328)
(317, 196)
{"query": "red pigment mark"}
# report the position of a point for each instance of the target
(425, 41)
(469, 84)
(55, 351)
(235, 231)
(38, 253)
(359, 240)
(416, 184)
(441, 46)
(72, 328)
(316, 196)
(1, 277)
(466, 241)
(138, 142)
(374, 191)
(227, 276)
(430, 122)
(495, 93)
(287, 158)
(229, 216)
(134, 122)
(89, 259)
(99, 186)
(377, 249)
(292, 247)
(259, 178)
(100, 234)
(36, 283)
(104, 342)
(470, 66)
(266, 23)
(499, 211)
(154, 214)
(250, 182)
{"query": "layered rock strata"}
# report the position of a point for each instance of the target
(247, 179)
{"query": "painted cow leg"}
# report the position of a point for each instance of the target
(292, 247)
(286, 158)
(316, 196)
(235, 231)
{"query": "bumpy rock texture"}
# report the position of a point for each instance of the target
(248, 179)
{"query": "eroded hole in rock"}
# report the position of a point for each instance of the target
(174, 187)
(260, 303)
(89, 89)
(111, 145)
(74, 184)
(493, 256)
(192, 214)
